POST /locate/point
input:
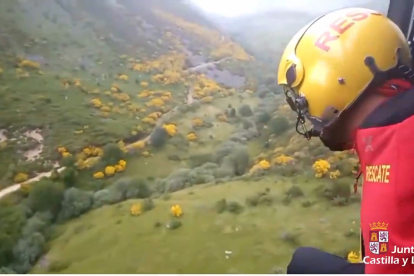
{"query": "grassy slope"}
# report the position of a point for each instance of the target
(109, 240)
(42, 101)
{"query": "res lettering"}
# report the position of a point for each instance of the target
(378, 173)
(337, 28)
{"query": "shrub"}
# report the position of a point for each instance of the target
(46, 195)
(337, 189)
(27, 251)
(118, 190)
(247, 124)
(199, 159)
(138, 188)
(39, 223)
(262, 93)
(221, 206)
(339, 201)
(262, 198)
(174, 224)
(20, 177)
(278, 125)
(202, 174)
(68, 161)
(69, 177)
(224, 150)
(112, 154)
(75, 203)
(245, 110)
(237, 161)
(101, 198)
(294, 191)
(58, 266)
(6, 270)
(234, 207)
(291, 238)
(262, 116)
(147, 204)
(158, 137)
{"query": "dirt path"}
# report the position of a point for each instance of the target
(36, 135)
(16, 187)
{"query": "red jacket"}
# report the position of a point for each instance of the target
(385, 145)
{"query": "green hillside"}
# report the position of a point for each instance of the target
(260, 239)
(147, 105)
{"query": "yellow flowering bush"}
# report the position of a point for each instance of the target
(92, 151)
(192, 137)
(105, 109)
(354, 257)
(120, 167)
(321, 167)
(156, 102)
(98, 175)
(176, 211)
(144, 94)
(20, 177)
(64, 152)
(109, 170)
(123, 77)
(170, 128)
(96, 103)
(62, 149)
(262, 165)
(136, 209)
(283, 160)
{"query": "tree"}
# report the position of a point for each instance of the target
(245, 110)
(27, 251)
(46, 195)
(69, 176)
(158, 137)
(12, 220)
(75, 202)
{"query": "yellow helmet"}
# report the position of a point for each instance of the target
(331, 61)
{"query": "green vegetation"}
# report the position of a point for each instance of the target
(165, 148)
(260, 238)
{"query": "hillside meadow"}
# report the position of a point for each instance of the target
(255, 239)
(166, 148)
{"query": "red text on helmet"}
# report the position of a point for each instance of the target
(338, 27)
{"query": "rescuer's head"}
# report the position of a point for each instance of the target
(330, 68)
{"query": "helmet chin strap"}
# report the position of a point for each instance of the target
(299, 105)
